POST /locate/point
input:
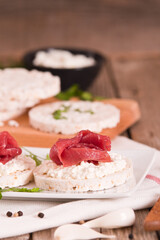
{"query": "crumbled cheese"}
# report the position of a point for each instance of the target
(93, 116)
(84, 170)
(13, 123)
(62, 59)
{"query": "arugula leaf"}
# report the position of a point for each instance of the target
(47, 157)
(86, 96)
(14, 189)
(75, 91)
(36, 158)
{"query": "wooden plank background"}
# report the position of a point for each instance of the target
(126, 32)
(111, 27)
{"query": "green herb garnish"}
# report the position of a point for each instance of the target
(87, 111)
(47, 157)
(35, 157)
(75, 91)
(58, 113)
(14, 189)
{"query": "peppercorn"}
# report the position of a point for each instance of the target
(81, 222)
(40, 215)
(9, 214)
(15, 214)
(130, 236)
(20, 213)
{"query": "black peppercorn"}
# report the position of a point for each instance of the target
(130, 236)
(9, 214)
(20, 213)
(40, 215)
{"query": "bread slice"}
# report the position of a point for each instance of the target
(17, 172)
(81, 185)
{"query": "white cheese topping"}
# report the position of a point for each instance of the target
(17, 164)
(84, 170)
(74, 116)
(21, 88)
(62, 59)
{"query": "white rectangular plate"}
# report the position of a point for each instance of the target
(142, 161)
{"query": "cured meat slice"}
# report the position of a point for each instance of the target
(85, 146)
(9, 148)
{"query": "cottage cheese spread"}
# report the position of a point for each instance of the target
(62, 59)
(18, 164)
(85, 170)
(74, 116)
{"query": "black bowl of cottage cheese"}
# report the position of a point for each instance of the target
(73, 66)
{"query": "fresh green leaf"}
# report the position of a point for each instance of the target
(36, 158)
(87, 111)
(75, 91)
(48, 157)
(58, 113)
(86, 96)
(15, 189)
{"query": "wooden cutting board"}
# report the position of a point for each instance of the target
(28, 136)
(152, 221)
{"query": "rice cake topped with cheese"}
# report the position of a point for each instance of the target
(17, 172)
(85, 176)
(83, 163)
(69, 117)
(22, 89)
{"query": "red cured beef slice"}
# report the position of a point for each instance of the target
(8, 147)
(85, 146)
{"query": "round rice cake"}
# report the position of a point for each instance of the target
(9, 114)
(17, 172)
(85, 176)
(69, 117)
(21, 88)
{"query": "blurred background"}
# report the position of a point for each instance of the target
(111, 27)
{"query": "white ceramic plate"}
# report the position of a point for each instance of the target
(142, 161)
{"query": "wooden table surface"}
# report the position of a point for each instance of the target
(132, 69)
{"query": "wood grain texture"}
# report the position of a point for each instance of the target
(43, 235)
(22, 237)
(137, 230)
(127, 29)
(28, 136)
(140, 80)
(152, 220)
(105, 25)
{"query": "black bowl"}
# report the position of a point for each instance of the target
(82, 76)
